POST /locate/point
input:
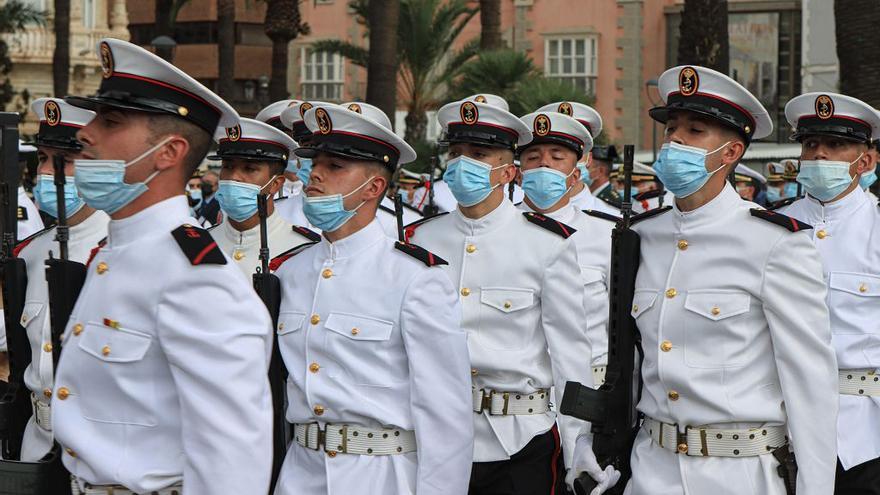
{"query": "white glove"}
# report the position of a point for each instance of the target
(585, 462)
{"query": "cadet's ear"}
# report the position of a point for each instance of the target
(865, 163)
(172, 153)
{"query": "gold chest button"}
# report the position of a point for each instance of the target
(319, 410)
(355, 331)
(47, 392)
(465, 292)
(474, 372)
(327, 273)
(70, 452)
(331, 453)
(682, 244)
(47, 347)
(101, 268)
(822, 234)
(507, 305)
(673, 395)
(863, 288)
(635, 308)
(314, 367)
(682, 448)
(470, 248)
(670, 293)
(666, 346)
(716, 311)
(315, 319)
(63, 393)
(105, 350)
(77, 329)
(238, 255)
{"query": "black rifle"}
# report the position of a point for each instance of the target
(268, 287)
(800, 187)
(612, 408)
(398, 214)
(431, 209)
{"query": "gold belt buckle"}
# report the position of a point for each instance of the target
(321, 436)
(486, 403)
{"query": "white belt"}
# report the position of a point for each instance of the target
(347, 439)
(42, 413)
(598, 376)
(510, 403)
(859, 382)
(117, 489)
(714, 442)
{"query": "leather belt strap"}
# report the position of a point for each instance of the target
(715, 442)
(598, 376)
(510, 403)
(348, 439)
(88, 489)
(42, 413)
(859, 382)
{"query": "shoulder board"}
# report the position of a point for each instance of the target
(602, 215)
(22, 213)
(648, 214)
(94, 251)
(27, 240)
(554, 226)
(307, 233)
(517, 204)
(410, 229)
(412, 208)
(781, 204)
(420, 253)
(212, 227)
(656, 193)
(276, 262)
(789, 223)
(198, 245)
(611, 201)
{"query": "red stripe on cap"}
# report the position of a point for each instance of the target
(62, 124)
(251, 140)
(362, 136)
(203, 253)
(725, 100)
(500, 127)
(165, 85)
(569, 136)
(835, 116)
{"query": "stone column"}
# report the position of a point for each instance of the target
(119, 19)
(629, 66)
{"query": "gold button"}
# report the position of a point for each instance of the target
(63, 393)
(314, 367)
(474, 372)
(465, 292)
(682, 244)
(319, 410)
(471, 248)
(821, 234)
(101, 268)
(327, 273)
(666, 346)
(47, 392)
(315, 319)
(331, 453)
(77, 329)
(670, 293)
(105, 350)
(716, 311)
(635, 308)
(70, 452)
(238, 255)
(682, 448)
(281, 326)
(507, 305)
(355, 331)
(863, 288)
(673, 395)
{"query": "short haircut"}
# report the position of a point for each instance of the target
(380, 170)
(199, 140)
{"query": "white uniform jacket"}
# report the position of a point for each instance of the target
(370, 337)
(388, 218)
(735, 331)
(290, 204)
(243, 247)
(163, 373)
(585, 200)
(523, 309)
(847, 235)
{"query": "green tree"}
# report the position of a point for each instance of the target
(14, 16)
(165, 17)
(703, 38)
(490, 25)
(854, 24)
(426, 33)
(283, 24)
(383, 16)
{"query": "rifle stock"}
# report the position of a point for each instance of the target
(612, 408)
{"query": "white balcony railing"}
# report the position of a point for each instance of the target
(36, 45)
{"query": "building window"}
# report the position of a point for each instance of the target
(321, 76)
(89, 14)
(572, 59)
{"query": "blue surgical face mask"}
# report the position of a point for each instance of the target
(101, 183)
(585, 173)
(468, 179)
(544, 186)
(633, 191)
(682, 169)
(825, 179)
(304, 170)
(195, 195)
(404, 195)
(773, 195)
(292, 166)
(45, 194)
(328, 213)
(790, 190)
(868, 179)
(238, 200)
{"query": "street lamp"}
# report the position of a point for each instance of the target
(652, 83)
(164, 47)
(263, 91)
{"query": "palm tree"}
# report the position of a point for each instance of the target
(490, 25)
(225, 49)
(61, 56)
(382, 64)
(283, 24)
(703, 38)
(426, 32)
(166, 15)
(854, 23)
(14, 16)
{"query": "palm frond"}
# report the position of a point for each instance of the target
(15, 15)
(358, 55)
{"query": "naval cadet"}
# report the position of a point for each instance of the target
(369, 329)
(835, 132)
(162, 383)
